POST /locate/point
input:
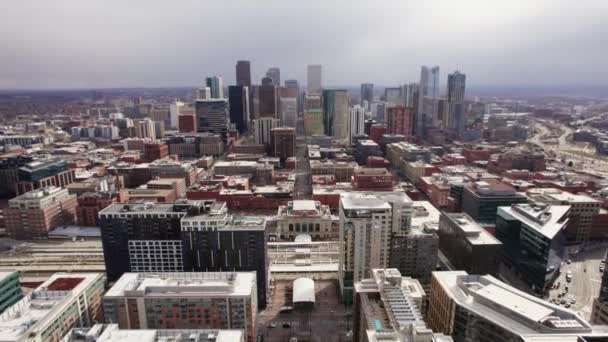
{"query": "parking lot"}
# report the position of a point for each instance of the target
(326, 322)
(585, 283)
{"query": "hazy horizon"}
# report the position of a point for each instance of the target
(70, 44)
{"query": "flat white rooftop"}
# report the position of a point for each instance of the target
(175, 284)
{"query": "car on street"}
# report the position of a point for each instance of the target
(569, 276)
(272, 325)
(286, 325)
(572, 301)
(563, 301)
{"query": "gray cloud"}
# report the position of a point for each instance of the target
(112, 43)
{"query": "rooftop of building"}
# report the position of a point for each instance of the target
(424, 216)
(112, 333)
(514, 310)
(546, 219)
(75, 232)
(492, 188)
(361, 201)
(332, 163)
(148, 207)
(43, 305)
(42, 163)
(5, 274)
(556, 195)
(304, 208)
(372, 171)
(39, 194)
(396, 306)
(184, 284)
(472, 230)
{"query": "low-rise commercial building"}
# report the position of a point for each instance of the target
(189, 300)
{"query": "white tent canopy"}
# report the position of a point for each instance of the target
(303, 290)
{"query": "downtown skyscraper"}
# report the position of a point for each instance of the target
(335, 113)
(314, 79)
(216, 85)
(456, 89)
(428, 88)
(367, 95)
(274, 74)
(243, 73)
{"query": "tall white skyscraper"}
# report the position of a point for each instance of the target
(367, 222)
(314, 79)
(174, 111)
(356, 122)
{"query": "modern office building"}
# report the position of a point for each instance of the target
(313, 122)
(289, 111)
(314, 79)
(283, 141)
(144, 129)
(367, 222)
(356, 122)
(203, 93)
(10, 290)
(184, 300)
(238, 100)
(243, 73)
(367, 95)
(274, 74)
(582, 210)
(306, 217)
(35, 213)
(43, 173)
(390, 307)
(144, 237)
(533, 238)
(113, 333)
(213, 116)
(47, 314)
(262, 130)
(481, 199)
(216, 85)
(428, 87)
(415, 252)
(456, 87)
(175, 112)
(335, 113)
(482, 308)
(455, 97)
(268, 96)
(215, 241)
(467, 245)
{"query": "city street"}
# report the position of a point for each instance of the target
(327, 322)
(585, 285)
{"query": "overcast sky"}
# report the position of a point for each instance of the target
(123, 43)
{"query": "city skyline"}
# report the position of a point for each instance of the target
(67, 44)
